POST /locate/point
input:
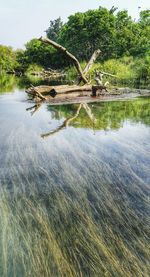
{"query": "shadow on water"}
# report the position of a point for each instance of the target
(77, 202)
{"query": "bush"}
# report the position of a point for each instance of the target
(142, 71)
(128, 71)
(34, 68)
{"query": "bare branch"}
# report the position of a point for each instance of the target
(68, 54)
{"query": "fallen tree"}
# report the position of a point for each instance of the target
(44, 92)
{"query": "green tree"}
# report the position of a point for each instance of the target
(145, 18)
(7, 58)
(44, 55)
(124, 36)
(85, 32)
(54, 29)
(37, 52)
(116, 35)
(143, 44)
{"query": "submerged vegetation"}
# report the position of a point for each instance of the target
(66, 232)
(76, 204)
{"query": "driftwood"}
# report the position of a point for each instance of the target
(105, 73)
(68, 54)
(90, 63)
(48, 74)
(46, 92)
(37, 93)
(54, 90)
(68, 89)
(34, 108)
(99, 78)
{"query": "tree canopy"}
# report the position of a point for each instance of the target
(54, 29)
(116, 34)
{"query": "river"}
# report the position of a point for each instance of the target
(74, 187)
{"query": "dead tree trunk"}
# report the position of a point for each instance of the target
(37, 93)
(90, 63)
(41, 92)
(46, 92)
(68, 54)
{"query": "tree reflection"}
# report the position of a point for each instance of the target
(98, 116)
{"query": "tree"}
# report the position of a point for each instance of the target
(43, 55)
(7, 58)
(124, 35)
(54, 29)
(145, 18)
(143, 45)
(116, 35)
(86, 32)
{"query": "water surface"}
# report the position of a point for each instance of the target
(75, 185)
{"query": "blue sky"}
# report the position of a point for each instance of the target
(21, 20)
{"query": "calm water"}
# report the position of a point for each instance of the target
(81, 172)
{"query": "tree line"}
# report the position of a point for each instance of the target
(112, 31)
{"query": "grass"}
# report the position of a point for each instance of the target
(129, 71)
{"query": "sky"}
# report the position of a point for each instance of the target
(22, 20)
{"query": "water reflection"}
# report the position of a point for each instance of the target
(67, 122)
(109, 115)
(76, 203)
(7, 83)
(97, 116)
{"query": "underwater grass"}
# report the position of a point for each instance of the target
(56, 235)
(76, 204)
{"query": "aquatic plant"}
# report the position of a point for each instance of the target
(76, 203)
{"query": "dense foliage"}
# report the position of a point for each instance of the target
(115, 34)
(44, 55)
(128, 71)
(54, 29)
(7, 58)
